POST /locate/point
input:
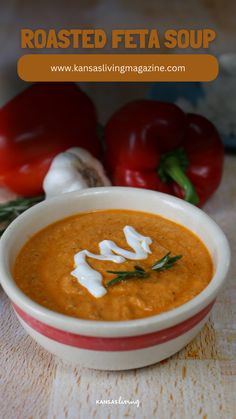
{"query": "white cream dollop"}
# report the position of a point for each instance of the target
(92, 279)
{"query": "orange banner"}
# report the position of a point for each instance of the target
(117, 67)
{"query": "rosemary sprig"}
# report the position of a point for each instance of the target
(10, 210)
(138, 272)
(166, 262)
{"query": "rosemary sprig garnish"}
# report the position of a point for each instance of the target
(166, 262)
(138, 272)
(10, 210)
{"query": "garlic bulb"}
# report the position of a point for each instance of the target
(72, 170)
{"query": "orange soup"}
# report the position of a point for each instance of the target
(43, 267)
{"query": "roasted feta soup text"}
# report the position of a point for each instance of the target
(43, 267)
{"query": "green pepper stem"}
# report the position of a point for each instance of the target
(172, 167)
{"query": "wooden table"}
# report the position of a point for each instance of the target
(198, 382)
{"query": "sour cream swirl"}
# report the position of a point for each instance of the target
(92, 279)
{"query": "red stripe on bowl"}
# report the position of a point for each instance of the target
(125, 343)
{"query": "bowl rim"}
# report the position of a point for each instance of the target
(113, 328)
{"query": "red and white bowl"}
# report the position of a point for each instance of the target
(121, 344)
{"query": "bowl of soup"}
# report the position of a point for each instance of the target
(113, 278)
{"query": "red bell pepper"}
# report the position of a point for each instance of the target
(42, 121)
(157, 146)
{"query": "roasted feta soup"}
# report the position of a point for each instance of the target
(156, 265)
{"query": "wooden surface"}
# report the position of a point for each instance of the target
(198, 382)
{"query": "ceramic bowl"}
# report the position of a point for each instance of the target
(110, 345)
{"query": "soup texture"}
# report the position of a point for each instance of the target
(43, 267)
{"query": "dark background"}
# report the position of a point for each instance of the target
(17, 14)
